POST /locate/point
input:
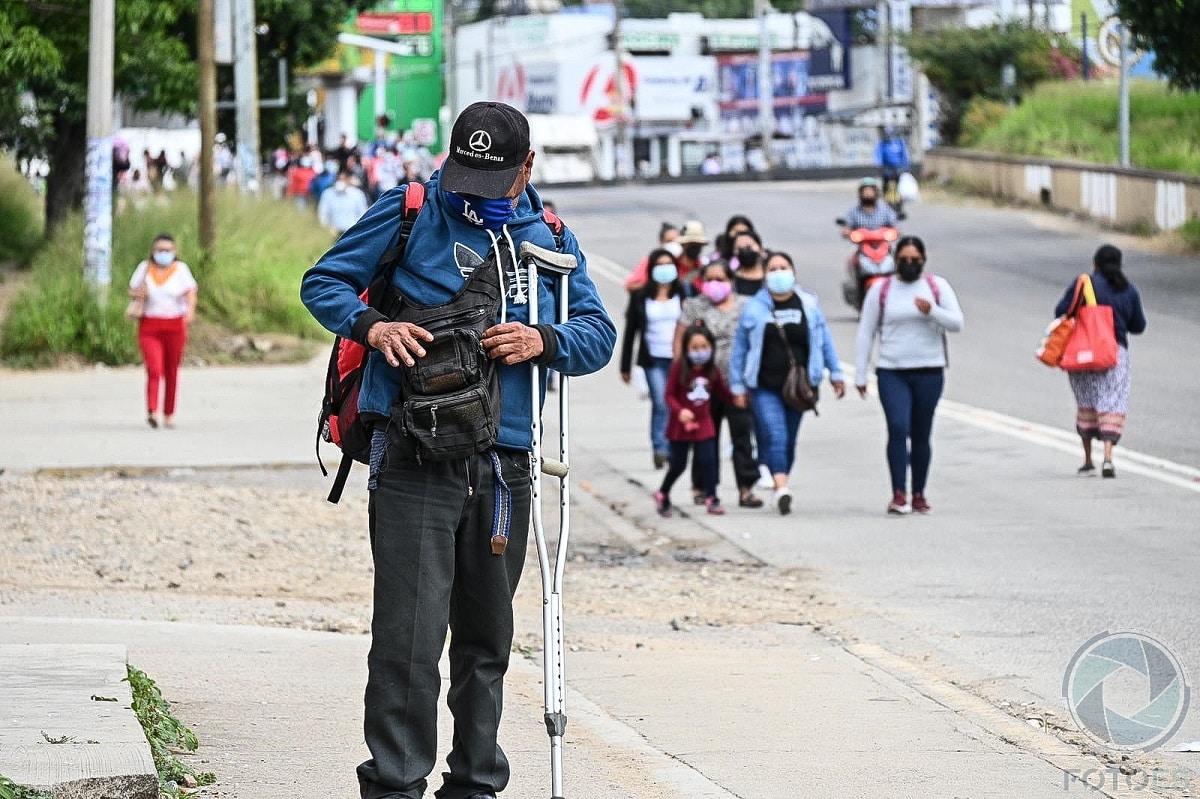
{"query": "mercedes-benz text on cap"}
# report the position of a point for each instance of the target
(488, 145)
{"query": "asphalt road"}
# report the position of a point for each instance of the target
(1008, 267)
(1023, 562)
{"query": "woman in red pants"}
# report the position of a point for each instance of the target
(168, 291)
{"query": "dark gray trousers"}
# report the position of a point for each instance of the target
(431, 526)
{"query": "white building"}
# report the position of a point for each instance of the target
(689, 86)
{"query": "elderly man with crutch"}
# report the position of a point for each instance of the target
(490, 292)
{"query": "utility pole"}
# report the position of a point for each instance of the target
(1123, 101)
(245, 85)
(766, 87)
(208, 128)
(621, 152)
(449, 30)
(97, 226)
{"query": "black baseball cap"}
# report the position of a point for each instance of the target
(488, 145)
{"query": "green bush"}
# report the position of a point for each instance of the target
(20, 215)
(1190, 233)
(250, 286)
(1079, 121)
(981, 115)
(968, 63)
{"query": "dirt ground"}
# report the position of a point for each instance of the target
(264, 548)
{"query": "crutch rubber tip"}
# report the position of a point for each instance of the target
(499, 542)
(554, 468)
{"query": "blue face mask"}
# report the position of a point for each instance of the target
(781, 281)
(164, 258)
(699, 357)
(481, 211)
(664, 273)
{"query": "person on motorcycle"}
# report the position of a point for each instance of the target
(871, 213)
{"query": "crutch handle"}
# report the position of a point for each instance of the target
(554, 468)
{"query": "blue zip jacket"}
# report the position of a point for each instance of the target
(892, 153)
(758, 312)
(441, 250)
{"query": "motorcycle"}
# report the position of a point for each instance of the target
(872, 261)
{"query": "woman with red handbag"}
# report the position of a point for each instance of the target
(1102, 397)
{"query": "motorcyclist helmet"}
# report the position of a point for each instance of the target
(868, 183)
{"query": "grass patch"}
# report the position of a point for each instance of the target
(251, 286)
(166, 735)
(1078, 120)
(10, 790)
(20, 215)
(1190, 233)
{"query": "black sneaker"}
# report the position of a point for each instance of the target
(662, 503)
(1108, 470)
(783, 501)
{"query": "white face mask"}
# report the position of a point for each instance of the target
(340, 185)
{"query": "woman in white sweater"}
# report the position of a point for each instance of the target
(910, 313)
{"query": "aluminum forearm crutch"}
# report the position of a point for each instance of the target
(554, 684)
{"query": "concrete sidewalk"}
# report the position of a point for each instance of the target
(761, 712)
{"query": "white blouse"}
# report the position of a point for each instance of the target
(661, 318)
(168, 299)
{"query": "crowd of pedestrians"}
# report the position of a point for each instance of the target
(357, 175)
(733, 338)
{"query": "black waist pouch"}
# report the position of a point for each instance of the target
(452, 425)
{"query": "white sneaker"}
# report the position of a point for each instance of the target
(765, 481)
(783, 501)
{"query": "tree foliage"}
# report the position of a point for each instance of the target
(43, 80)
(968, 63)
(1168, 27)
(44, 69)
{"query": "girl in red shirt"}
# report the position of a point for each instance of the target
(692, 383)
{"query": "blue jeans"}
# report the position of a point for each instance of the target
(776, 426)
(656, 379)
(909, 398)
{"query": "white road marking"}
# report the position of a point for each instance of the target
(1132, 462)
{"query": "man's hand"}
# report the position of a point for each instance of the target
(741, 401)
(839, 388)
(512, 342)
(398, 341)
(862, 391)
(923, 305)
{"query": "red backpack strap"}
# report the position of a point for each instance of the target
(414, 199)
(556, 227)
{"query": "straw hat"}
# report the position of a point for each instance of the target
(692, 233)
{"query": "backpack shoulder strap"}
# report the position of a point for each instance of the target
(385, 270)
(556, 227)
(933, 286)
(883, 295)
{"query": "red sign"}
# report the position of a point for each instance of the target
(395, 24)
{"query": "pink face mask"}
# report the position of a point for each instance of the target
(716, 290)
